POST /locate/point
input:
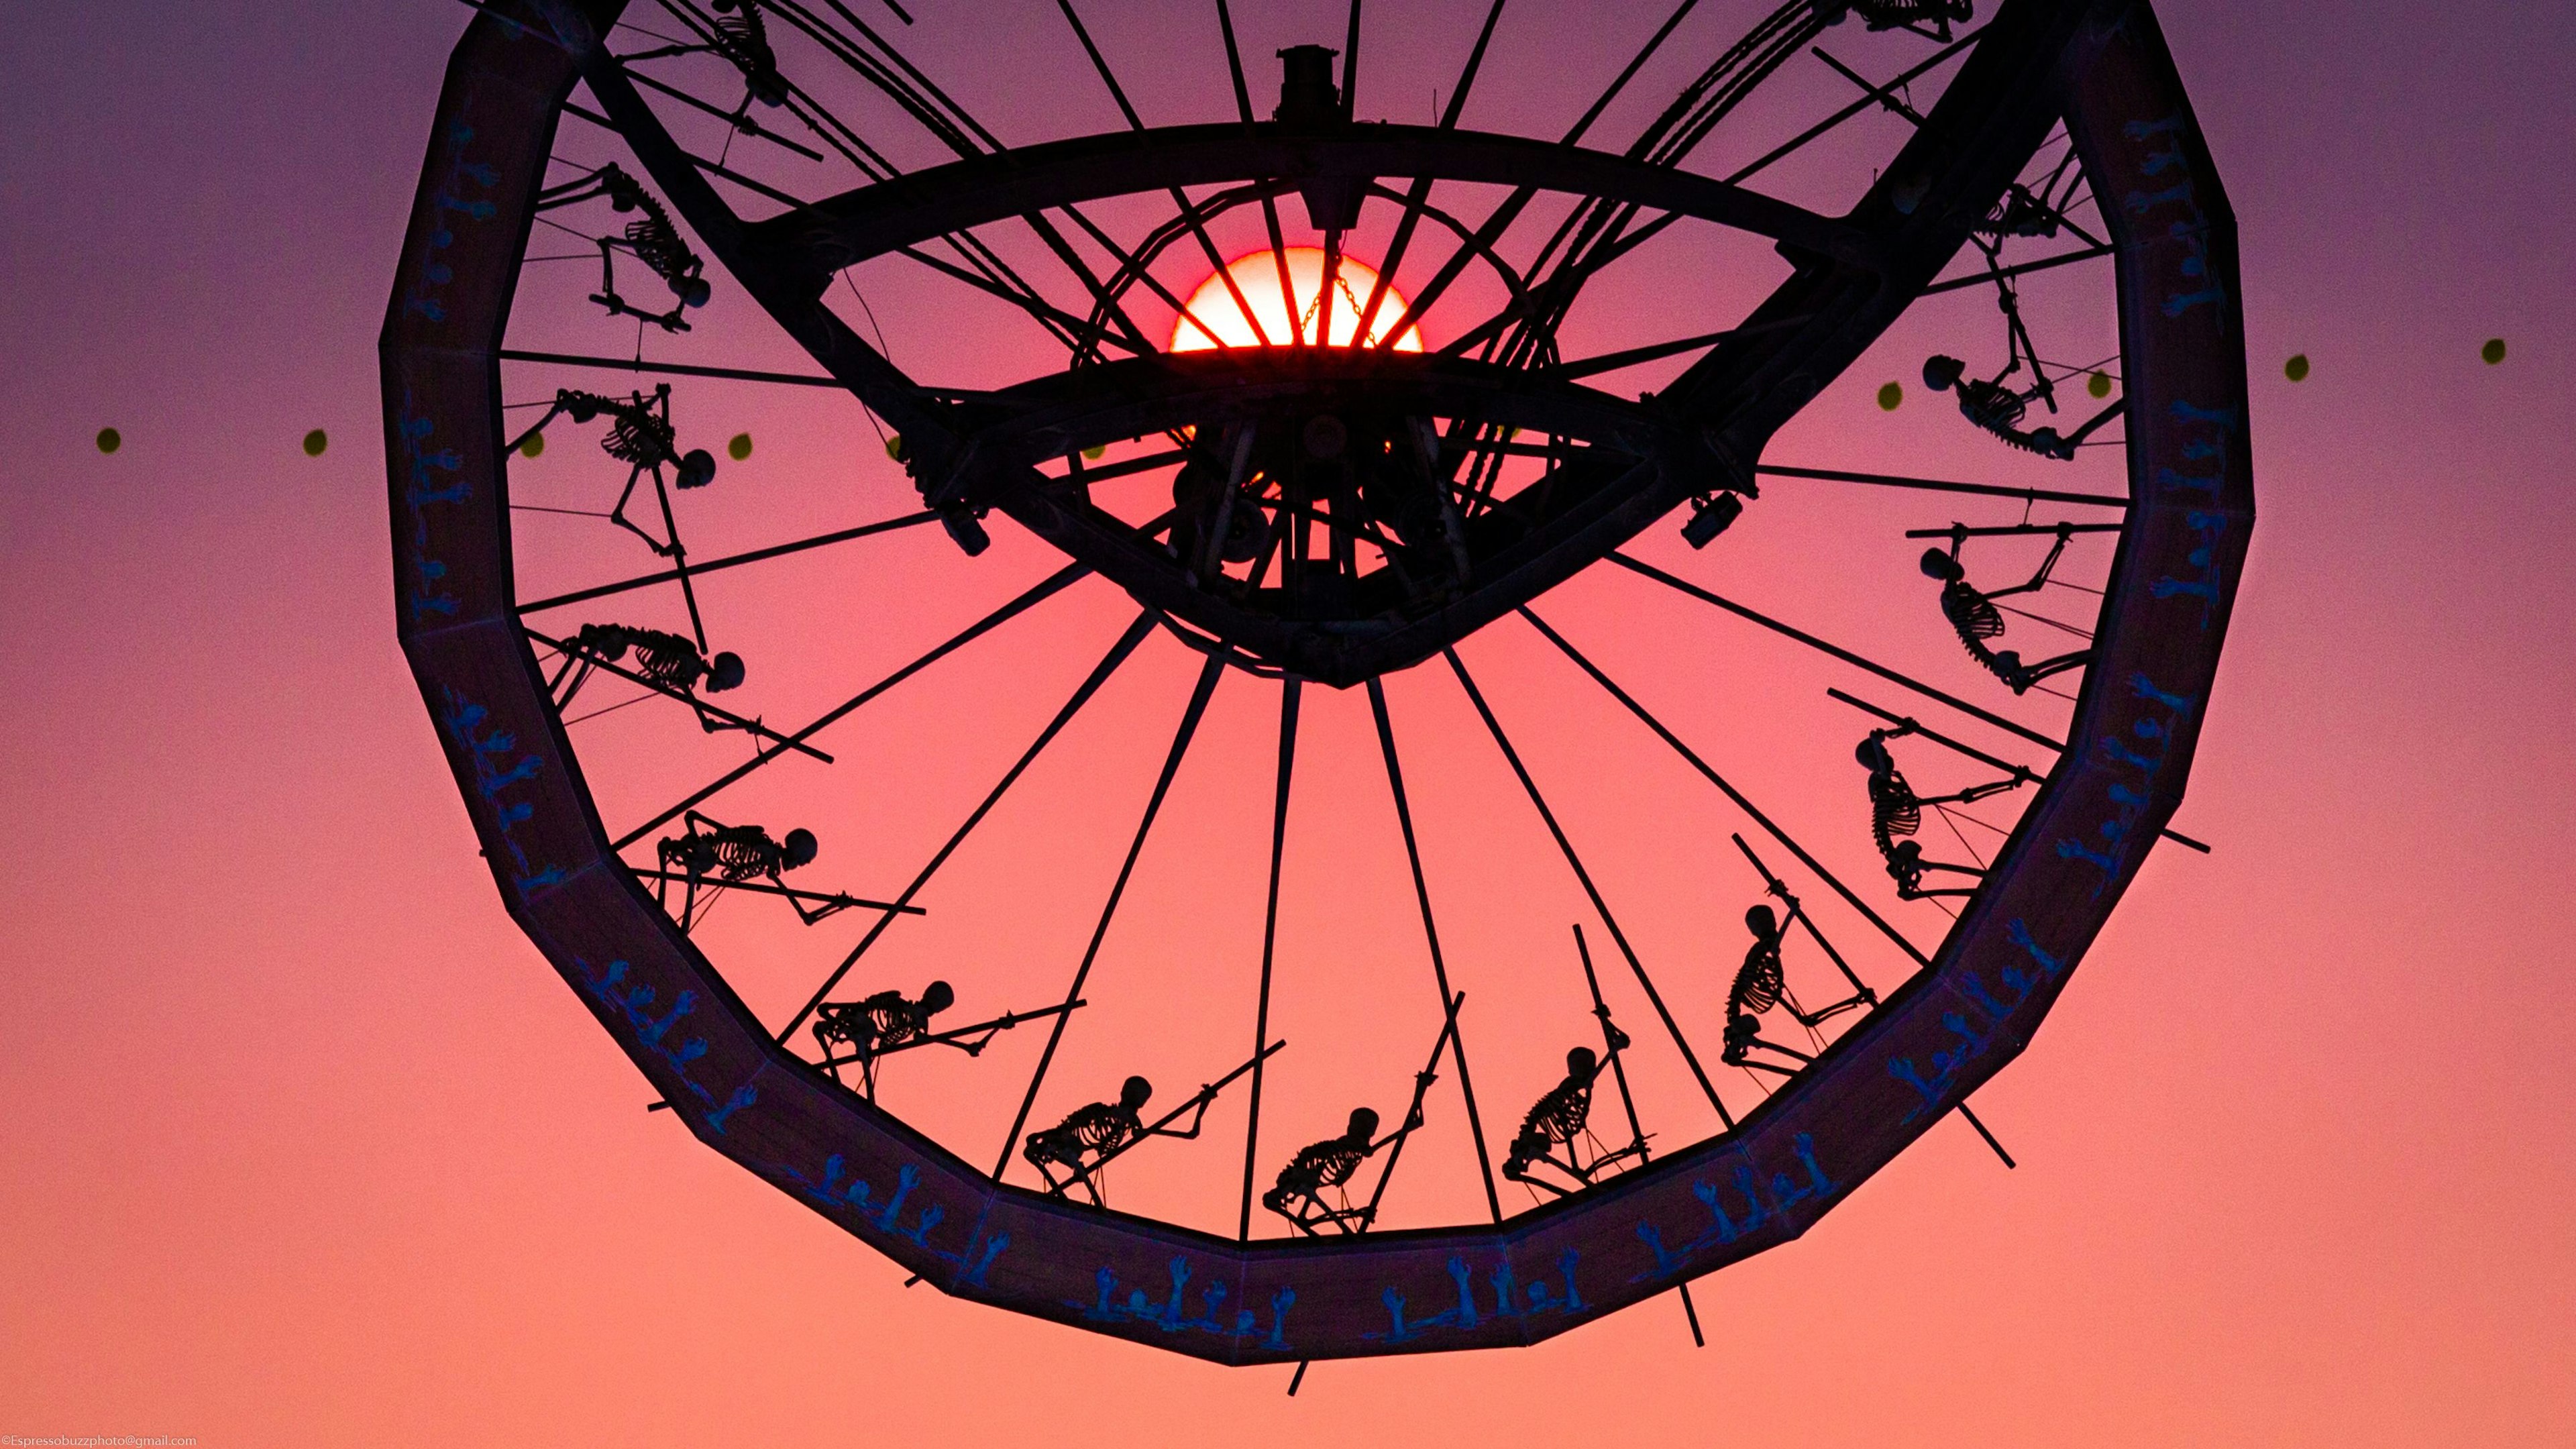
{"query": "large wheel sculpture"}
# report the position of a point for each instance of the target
(1554, 565)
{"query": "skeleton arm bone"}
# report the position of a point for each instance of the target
(2038, 580)
(1198, 1117)
(954, 1036)
(1396, 1136)
(1617, 1039)
(1974, 793)
(2077, 437)
(1823, 1014)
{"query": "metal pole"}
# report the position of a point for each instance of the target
(1431, 935)
(1600, 906)
(1292, 688)
(1153, 806)
(1636, 1130)
(1099, 676)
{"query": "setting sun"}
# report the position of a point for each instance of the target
(1212, 307)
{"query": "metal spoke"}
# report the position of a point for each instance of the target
(1291, 689)
(1190, 717)
(2013, 530)
(829, 341)
(1845, 655)
(567, 648)
(1600, 907)
(836, 899)
(1066, 326)
(1613, 361)
(676, 369)
(920, 103)
(1431, 936)
(1628, 1101)
(1692, 758)
(1087, 474)
(757, 555)
(988, 271)
(1597, 227)
(712, 168)
(1269, 205)
(743, 122)
(1047, 587)
(1978, 755)
(1800, 141)
(1419, 193)
(1936, 485)
(1189, 214)
(1108, 665)
(2024, 269)
(1509, 209)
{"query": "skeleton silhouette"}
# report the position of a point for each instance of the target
(743, 38)
(1999, 409)
(1328, 1166)
(640, 435)
(1762, 984)
(667, 660)
(1907, 867)
(1089, 1135)
(1559, 1124)
(650, 238)
(2034, 211)
(1930, 18)
(711, 853)
(740, 37)
(885, 1023)
(1990, 403)
(1972, 613)
(1896, 812)
(874, 1025)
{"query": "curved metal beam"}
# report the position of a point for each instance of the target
(902, 211)
(1051, 416)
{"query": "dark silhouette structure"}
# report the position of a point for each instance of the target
(1327, 1166)
(1557, 1130)
(1973, 615)
(1338, 514)
(650, 239)
(1761, 984)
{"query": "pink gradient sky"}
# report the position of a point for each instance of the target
(308, 1146)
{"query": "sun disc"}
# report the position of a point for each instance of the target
(1215, 319)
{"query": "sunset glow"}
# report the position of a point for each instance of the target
(1212, 307)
